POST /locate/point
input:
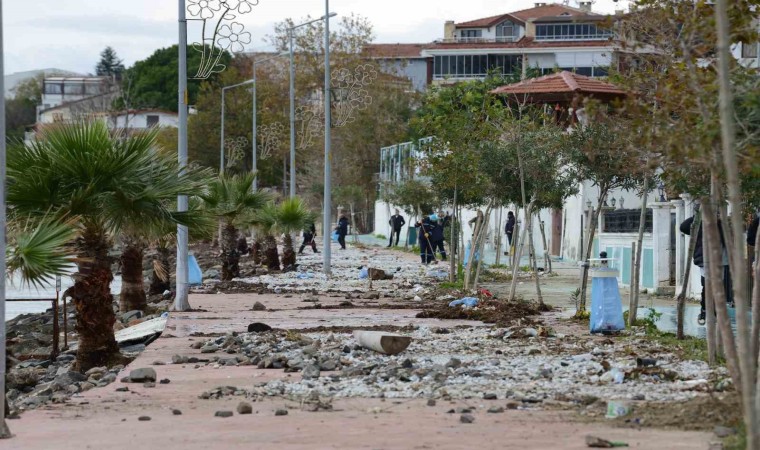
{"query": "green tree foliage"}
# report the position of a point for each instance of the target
(21, 109)
(110, 65)
(153, 81)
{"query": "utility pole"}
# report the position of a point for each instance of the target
(5, 432)
(181, 302)
(255, 184)
(221, 140)
(293, 115)
(326, 220)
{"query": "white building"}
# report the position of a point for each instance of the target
(545, 37)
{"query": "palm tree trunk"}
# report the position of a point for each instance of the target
(160, 282)
(132, 294)
(258, 244)
(270, 253)
(93, 302)
(230, 256)
(288, 254)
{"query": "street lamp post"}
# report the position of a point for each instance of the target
(326, 222)
(5, 432)
(181, 302)
(326, 18)
(221, 143)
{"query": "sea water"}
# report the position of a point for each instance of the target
(15, 289)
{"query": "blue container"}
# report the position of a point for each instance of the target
(194, 274)
(412, 236)
(606, 306)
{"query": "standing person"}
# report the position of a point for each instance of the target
(396, 222)
(699, 261)
(342, 230)
(308, 238)
(436, 238)
(423, 237)
(509, 229)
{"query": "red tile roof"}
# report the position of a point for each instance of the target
(394, 50)
(552, 9)
(560, 86)
(522, 16)
(487, 21)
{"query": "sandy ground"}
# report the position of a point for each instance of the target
(106, 419)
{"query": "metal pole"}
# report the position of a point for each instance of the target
(221, 140)
(253, 135)
(181, 302)
(328, 173)
(5, 432)
(292, 118)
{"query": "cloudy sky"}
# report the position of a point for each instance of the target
(69, 34)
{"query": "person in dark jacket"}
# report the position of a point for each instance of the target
(308, 238)
(509, 229)
(752, 230)
(425, 228)
(396, 222)
(342, 230)
(699, 261)
(436, 238)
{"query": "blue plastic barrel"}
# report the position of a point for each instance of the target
(606, 306)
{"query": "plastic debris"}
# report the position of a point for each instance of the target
(465, 302)
(363, 273)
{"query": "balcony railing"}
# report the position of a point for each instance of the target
(477, 40)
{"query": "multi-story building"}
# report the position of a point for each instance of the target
(547, 37)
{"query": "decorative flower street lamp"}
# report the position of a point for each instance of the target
(220, 33)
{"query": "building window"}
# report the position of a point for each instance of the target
(151, 121)
(505, 32)
(53, 88)
(626, 221)
(73, 88)
(749, 50)
(471, 34)
(93, 89)
(571, 32)
(474, 66)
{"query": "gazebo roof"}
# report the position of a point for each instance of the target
(560, 87)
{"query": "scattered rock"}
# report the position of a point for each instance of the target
(489, 396)
(258, 327)
(143, 418)
(723, 432)
(176, 412)
(223, 414)
(431, 402)
(281, 412)
(467, 418)
(496, 409)
(142, 375)
(165, 381)
(258, 306)
(149, 384)
(244, 408)
(310, 372)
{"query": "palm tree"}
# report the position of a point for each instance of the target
(39, 250)
(106, 182)
(229, 199)
(291, 217)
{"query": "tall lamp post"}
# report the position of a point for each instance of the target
(181, 302)
(326, 18)
(326, 219)
(5, 432)
(255, 125)
(221, 142)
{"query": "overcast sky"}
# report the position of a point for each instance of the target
(69, 34)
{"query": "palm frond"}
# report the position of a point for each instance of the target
(40, 251)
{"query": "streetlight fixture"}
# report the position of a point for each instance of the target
(661, 190)
(253, 138)
(613, 201)
(326, 18)
(221, 143)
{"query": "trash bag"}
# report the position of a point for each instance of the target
(466, 301)
(194, 274)
(363, 273)
(467, 254)
(334, 236)
(305, 275)
(606, 306)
